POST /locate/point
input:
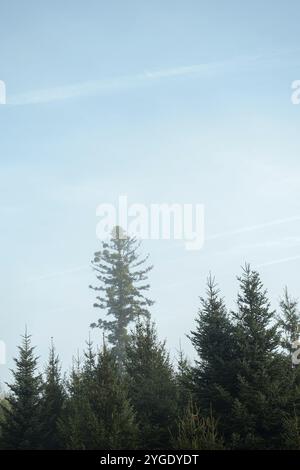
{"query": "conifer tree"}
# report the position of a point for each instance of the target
(289, 322)
(3, 403)
(122, 277)
(52, 402)
(90, 361)
(291, 432)
(196, 432)
(214, 376)
(21, 427)
(99, 415)
(78, 425)
(152, 387)
(184, 382)
(257, 411)
(111, 404)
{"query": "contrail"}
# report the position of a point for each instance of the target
(125, 82)
(253, 228)
(278, 261)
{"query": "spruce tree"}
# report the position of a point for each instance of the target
(122, 277)
(258, 409)
(184, 382)
(152, 387)
(291, 432)
(289, 322)
(214, 376)
(99, 415)
(78, 425)
(111, 404)
(196, 432)
(52, 402)
(21, 427)
(3, 403)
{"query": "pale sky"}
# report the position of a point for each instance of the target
(166, 102)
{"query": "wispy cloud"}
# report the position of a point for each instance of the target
(279, 261)
(114, 84)
(253, 228)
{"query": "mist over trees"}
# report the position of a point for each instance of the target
(241, 392)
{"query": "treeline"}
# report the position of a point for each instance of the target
(241, 392)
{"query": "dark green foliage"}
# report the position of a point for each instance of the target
(291, 432)
(257, 412)
(3, 403)
(242, 391)
(152, 387)
(214, 379)
(79, 423)
(52, 402)
(122, 276)
(289, 322)
(21, 426)
(184, 381)
(98, 415)
(196, 432)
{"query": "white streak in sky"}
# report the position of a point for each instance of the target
(278, 261)
(253, 228)
(110, 85)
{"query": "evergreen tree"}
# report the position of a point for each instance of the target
(78, 425)
(99, 415)
(196, 432)
(289, 322)
(52, 402)
(184, 382)
(258, 408)
(152, 387)
(111, 404)
(214, 375)
(90, 361)
(291, 433)
(3, 403)
(21, 427)
(121, 293)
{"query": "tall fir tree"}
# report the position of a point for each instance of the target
(258, 410)
(122, 275)
(152, 387)
(21, 426)
(52, 402)
(214, 376)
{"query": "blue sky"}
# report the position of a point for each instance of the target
(173, 101)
